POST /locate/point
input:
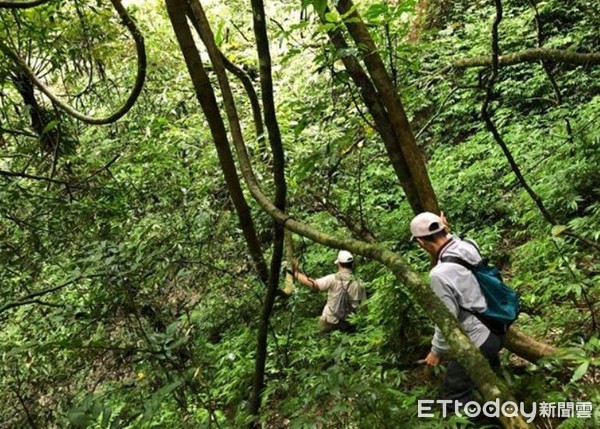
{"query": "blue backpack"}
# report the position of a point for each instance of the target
(502, 300)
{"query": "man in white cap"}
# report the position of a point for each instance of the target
(344, 293)
(459, 290)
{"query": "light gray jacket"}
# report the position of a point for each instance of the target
(457, 287)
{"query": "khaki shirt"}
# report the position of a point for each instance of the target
(333, 286)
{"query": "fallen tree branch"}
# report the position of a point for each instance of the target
(529, 56)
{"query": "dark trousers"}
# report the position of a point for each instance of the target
(458, 386)
(342, 325)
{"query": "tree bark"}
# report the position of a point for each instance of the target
(21, 4)
(390, 100)
(380, 116)
(266, 85)
(278, 168)
(525, 346)
(203, 87)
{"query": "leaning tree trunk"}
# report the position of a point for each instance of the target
(186, 41)
(380, 116)
(391, 101)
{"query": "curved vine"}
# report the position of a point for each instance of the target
(134, 94)
(21, 4)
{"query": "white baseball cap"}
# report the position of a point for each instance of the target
(425, 224)
(344, 257)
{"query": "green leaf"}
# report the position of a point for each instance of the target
(376, 11)
(106, 416)
(580, 371)
(331, 17)
(50, 126)
(320, 6)
(79, 419)
(558, 230)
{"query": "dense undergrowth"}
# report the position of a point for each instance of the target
(154, 323)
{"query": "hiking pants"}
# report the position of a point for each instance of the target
(458, 386)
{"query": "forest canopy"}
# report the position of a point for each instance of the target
(168, 168)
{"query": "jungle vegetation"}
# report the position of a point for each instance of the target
(163, 163)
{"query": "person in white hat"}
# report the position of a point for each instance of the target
(459, 290)
(344, 293)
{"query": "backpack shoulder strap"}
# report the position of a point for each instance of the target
(459, 261)
(472, 243)
(346, 286)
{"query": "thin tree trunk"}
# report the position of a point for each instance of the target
(278, 169)
(266, 85)
(380, 116)
(177, 9)
(389, 97)
(289, 256)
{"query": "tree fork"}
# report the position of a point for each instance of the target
(246, 83)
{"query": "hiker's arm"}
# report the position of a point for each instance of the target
(305, 280)
(444, 291)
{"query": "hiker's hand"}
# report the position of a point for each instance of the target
(444, 221)
(295, 266)
(432, 360)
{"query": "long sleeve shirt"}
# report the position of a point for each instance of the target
(457, 287)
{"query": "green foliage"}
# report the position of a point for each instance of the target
(154, 324)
